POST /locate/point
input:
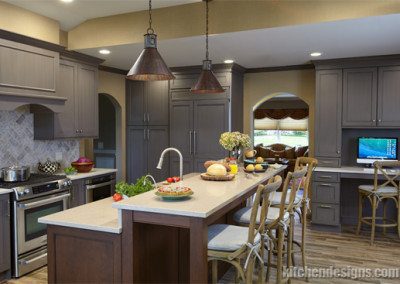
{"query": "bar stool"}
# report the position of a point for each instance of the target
(277, 219)
(390, 189)
(232, 244)
(301, 204)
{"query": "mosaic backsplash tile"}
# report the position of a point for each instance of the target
(17, 146)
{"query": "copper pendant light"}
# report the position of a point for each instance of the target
(207, 82)
(150, 66)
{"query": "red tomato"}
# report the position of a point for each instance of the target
(117, 197)
(176, 179)
(170, 180)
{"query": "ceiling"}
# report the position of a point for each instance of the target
(72, 14)
(281, 46)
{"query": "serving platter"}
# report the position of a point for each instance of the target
(227, 177)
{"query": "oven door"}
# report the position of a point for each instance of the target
(30, 233)
(99, 191)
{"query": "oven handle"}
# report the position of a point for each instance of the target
(88, 187)
(43, 202)
(27, 262)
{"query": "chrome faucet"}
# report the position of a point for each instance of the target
(151, 178)
(160, 162)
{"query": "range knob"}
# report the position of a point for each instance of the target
(67, 183)
(26, 191)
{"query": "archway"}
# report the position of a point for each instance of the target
(107, 147)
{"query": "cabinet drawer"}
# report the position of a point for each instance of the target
(326, 192)
(326, 177)
(328, 162)
(325, 214)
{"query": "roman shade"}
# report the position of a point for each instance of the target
(281, 124)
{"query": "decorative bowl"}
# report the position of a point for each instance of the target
(83, 167)
(48, 167)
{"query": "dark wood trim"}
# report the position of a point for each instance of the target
(128, 235)
(280, 68)
(355, 62)
(198, 271)
(113, 70)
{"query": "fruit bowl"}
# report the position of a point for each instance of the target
(83, 165)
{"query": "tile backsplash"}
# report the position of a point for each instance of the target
(17, 146)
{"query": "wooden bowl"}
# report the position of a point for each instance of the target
(83, 167)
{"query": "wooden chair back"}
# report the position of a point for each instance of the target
(390, 171)
(262, 196)
(311, 164)
(294, 181)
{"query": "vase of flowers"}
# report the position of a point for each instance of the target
(234, 142)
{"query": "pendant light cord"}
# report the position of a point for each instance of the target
(150, 29)
(206, 30)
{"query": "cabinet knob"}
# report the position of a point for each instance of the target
(373, 120)
(338, 151)
(77, 131)
(379, 120)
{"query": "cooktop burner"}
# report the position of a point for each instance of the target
(34, 178)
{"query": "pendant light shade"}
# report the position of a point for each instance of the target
(150, 66)
(207, 82)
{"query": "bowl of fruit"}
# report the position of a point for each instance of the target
(83, 165)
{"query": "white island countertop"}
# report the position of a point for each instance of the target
(208, 197)
(96, 216)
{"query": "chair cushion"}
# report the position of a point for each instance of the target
(243, 215)
(224, 237)
(383, 189)
(276, 198)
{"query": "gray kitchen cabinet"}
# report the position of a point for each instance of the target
(5, 241)
(388, 96)
(144, 147)
(147, 102)
(28, 71)
(359, 97)
(328, 114)
(78, 83)
(78, 194)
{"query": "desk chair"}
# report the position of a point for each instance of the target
(389, 189)
(232, 244)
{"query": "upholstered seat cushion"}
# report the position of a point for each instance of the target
(224, 237)
(381, 190)
(276, 198)
(243, 215)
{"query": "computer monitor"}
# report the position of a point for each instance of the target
(371, 149)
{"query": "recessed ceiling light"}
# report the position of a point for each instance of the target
(104, 51)
(315, 54)
(67, 1)
(228, 61)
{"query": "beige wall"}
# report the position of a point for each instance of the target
(259, 87)
(21, 21)
(114, 85)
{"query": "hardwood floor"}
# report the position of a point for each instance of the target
(324, 249)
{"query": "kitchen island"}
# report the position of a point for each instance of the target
(160, 241)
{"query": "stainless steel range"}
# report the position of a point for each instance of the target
(41, 195)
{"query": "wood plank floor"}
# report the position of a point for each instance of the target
(324, 249)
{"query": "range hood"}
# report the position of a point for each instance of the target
(12, 101)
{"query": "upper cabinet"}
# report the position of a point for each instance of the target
(78, 83)
(147, 102)
(27, 71)
(389, 96)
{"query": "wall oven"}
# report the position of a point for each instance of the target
(99, 187)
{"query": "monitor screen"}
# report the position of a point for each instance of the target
(377, 148)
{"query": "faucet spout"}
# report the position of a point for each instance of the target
(160, 162)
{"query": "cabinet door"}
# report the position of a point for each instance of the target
(65, 123)
(5, 243)
(181, 127)
(88, 101)
(135, 102)
(136, 148)
(211, 118)
(328, 102)
(388, 96)
(157, 141)
(78, 194)
(359, 97)
(157, 106)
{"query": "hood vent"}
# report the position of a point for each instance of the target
(12, 101)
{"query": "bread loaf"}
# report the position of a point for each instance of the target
(216, 170)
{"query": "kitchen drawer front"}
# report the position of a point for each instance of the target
(326, 214)
(326, 192)
(328, 162)
(326, 177)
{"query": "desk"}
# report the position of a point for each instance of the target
(335, 195)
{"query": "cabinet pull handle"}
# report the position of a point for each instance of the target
(338, 151)
(148, 117)
(373, 120)
(190, 142)
(144, 117)
(144, 134)
(325, 176)
(379, 120)
(325, 184)
(325, 206)
(148, 134)
(194, 142)
(8, 209)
